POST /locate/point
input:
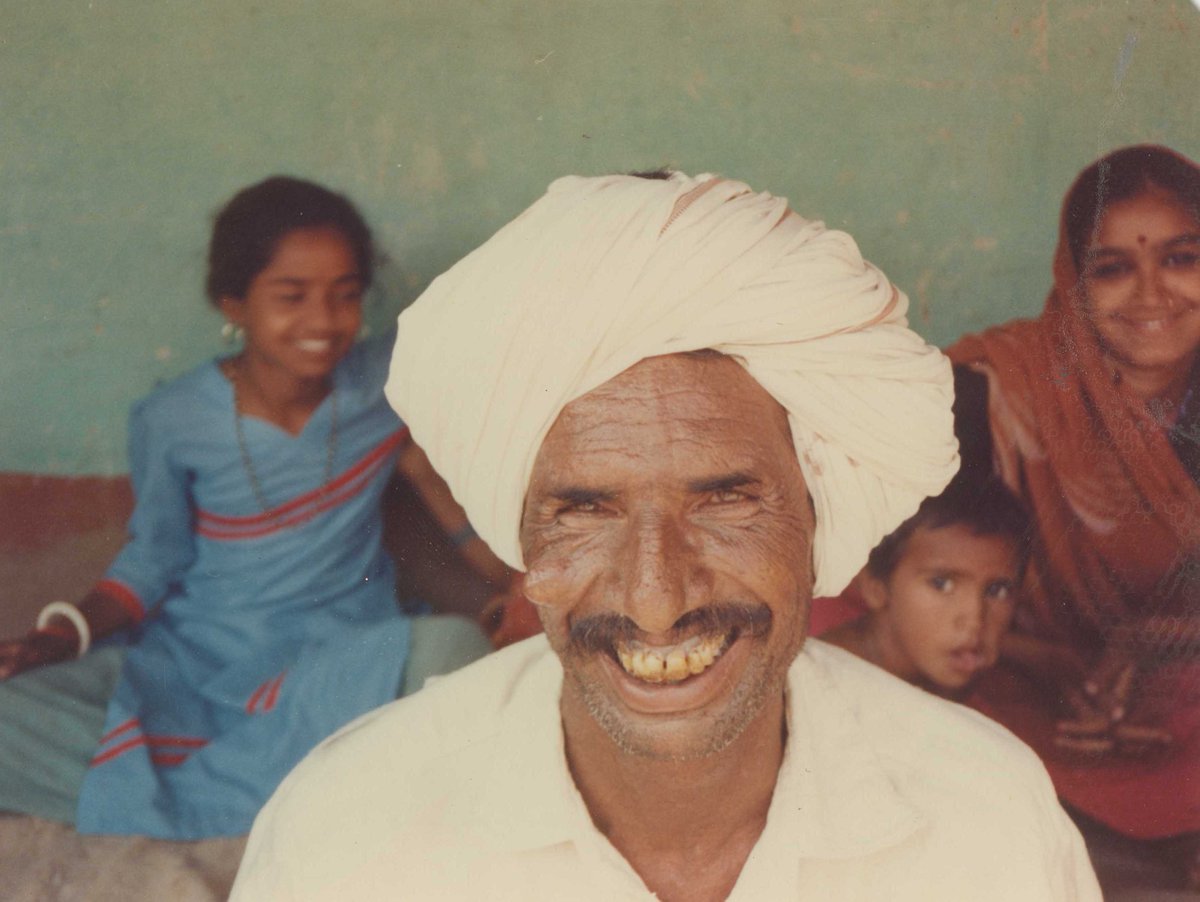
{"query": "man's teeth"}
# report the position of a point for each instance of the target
(313, 345)
(662, 665)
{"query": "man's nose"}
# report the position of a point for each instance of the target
(656, 567)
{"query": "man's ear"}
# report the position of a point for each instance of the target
(874, 591)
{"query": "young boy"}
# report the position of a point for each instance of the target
(940, 591)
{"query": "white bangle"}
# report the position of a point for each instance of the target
(77, 619)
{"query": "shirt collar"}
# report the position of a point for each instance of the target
(833, 798)
(531, 799)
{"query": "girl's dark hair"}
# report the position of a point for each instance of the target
(661, 174)
(1121, 175)
(984, 506)
(249, 228)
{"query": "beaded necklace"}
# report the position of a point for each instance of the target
(248, 464)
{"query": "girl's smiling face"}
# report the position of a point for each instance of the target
(302, 311)
(1141, 280)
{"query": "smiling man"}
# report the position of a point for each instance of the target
(681, 409)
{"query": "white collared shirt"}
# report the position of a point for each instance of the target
(462, 791)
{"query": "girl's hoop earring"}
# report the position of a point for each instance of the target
(231, 334)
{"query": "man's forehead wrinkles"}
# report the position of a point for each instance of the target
(724, 422)
(727, 452)
(647, 384)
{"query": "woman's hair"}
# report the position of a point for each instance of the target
(249, 228)
(982, 505)
(1121, 175)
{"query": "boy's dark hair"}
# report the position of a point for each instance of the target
(249, 228)
(984, 506)
(1121, 175)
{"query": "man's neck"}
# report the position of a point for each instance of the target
(686, 827)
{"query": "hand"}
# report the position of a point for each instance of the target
(1098, 724)
(35, 650)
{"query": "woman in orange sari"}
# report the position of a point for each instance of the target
(1094, 420)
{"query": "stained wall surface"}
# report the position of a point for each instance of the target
(941, 134)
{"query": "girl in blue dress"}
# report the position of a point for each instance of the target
(254, 583)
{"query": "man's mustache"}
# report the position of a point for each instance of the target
(602, 632)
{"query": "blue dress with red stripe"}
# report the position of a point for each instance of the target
(261, 632)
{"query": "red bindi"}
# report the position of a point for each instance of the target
(1141, 239)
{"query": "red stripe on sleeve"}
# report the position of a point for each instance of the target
(125, 596)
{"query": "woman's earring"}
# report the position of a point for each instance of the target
(364, 331)
(231, 334)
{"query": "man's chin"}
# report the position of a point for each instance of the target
(660, 738)
(695, 718)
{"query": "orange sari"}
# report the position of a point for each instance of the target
(1118, 522)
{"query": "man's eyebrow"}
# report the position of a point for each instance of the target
(579, 495)
(723, 483)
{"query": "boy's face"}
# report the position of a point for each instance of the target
(939, 618)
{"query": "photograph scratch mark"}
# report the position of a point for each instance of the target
(1040, 50)
(1125, 57)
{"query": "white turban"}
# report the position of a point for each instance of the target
(603, 272)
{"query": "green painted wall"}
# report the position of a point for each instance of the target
(940, 133)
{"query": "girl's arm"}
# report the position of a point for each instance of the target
(159, 549)
(435, 494)
(59, 640)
